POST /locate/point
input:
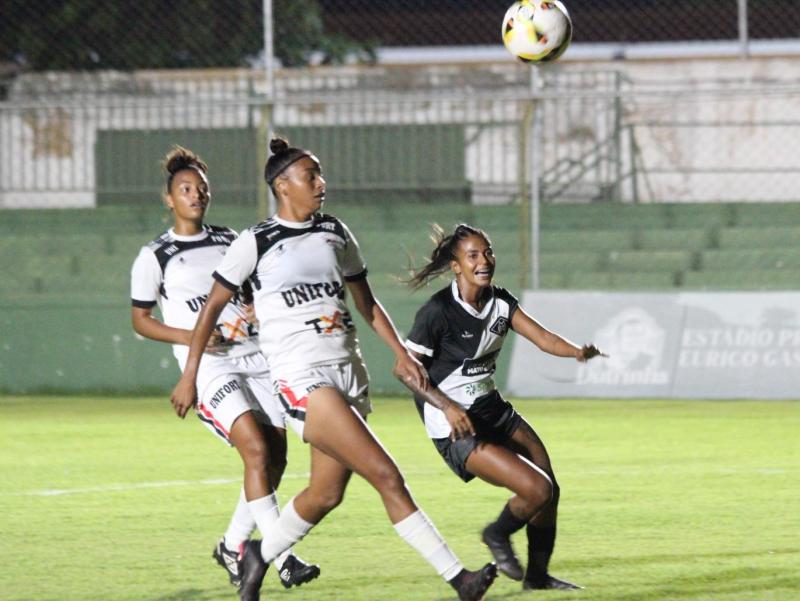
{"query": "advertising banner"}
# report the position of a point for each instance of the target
(688, 345)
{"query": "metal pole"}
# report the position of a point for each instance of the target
(744, 48)
(535, 174)
(267, 208)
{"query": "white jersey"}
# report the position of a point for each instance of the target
(175, 272)
(298, 273)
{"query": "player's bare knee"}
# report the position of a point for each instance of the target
(327, 500)
(389, 481)
(255, 454)
(537, 493)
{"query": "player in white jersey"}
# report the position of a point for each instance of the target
(236, 402)
(301, 264)
(458, 335)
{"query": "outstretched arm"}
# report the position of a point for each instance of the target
(184, 395)
(550, 342)
(406, 367)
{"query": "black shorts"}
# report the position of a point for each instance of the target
(494, 419)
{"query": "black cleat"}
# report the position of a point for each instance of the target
(295, 572)
(252, 569)
(503, 554)
(550, 583)
(229, 560)
(472, 586)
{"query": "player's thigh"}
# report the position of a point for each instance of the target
(500, 466)
(333, 426)
(525, 441)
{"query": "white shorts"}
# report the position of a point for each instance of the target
(228, 387)
(292, 388)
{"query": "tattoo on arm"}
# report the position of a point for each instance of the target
(432, 396)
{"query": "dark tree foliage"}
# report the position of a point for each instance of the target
(162, 34)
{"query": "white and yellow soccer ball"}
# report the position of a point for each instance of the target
(535, 31)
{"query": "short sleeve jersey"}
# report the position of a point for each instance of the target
(175, 273)
(298, 273)
(462, 346)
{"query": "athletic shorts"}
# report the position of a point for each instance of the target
(494, 419)
(228, 387)
(292, 388)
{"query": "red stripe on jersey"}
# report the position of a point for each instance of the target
(210, 417)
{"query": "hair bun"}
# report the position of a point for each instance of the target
(277, 145)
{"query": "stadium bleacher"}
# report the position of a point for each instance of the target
(591, 246)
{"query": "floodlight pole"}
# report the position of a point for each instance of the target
(744, 41)
(269, 104)
(535, 174)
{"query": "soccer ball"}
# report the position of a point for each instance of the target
(537, 31)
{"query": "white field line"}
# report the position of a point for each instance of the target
(55, 492)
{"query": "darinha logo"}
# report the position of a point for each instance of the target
(297, 295)
(338, 322)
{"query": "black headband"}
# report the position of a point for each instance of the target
(300, 154)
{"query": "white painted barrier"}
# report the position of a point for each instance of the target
(687, 345)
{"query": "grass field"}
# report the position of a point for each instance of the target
(116, 499)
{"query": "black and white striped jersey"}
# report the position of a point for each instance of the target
(298, 273)
(461, 346)
(175, 272)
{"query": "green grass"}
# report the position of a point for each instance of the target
(116, 499)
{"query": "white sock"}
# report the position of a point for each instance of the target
(278, 561)
(418, 531)
(287, 530)
(242, 525)
(265, 512)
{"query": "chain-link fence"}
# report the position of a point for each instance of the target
(159, 34)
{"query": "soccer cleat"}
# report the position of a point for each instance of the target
(550, 583)
(472, 586)
(503, 553)
(229, 560)
(252, 569)
(295, 572)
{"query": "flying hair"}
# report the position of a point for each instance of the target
(282, 156)
(443, 253)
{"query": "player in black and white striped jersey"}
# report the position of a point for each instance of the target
(301, 264)
(457, 335)
(236, 402)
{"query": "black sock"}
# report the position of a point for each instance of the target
(541, 541)
(506, 523)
